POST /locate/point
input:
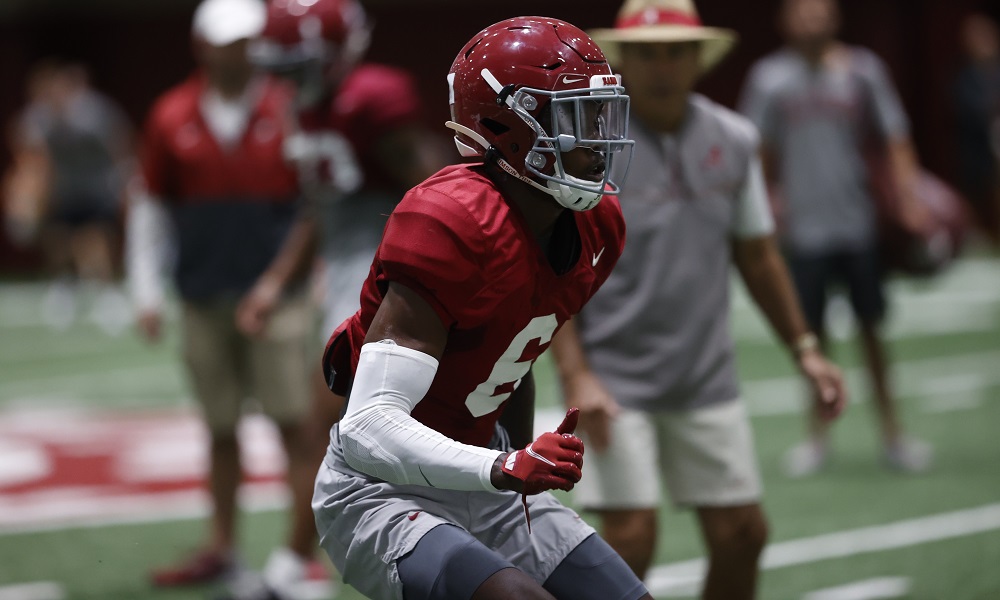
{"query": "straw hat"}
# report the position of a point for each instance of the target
(652, 21)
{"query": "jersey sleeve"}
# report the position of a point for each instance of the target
(752, 217)
(886, 107)
(433, 247)
(155, 156)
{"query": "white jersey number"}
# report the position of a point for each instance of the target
(309, 152)
(510, 369)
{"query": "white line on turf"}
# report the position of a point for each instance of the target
(875, 588)
(681, 577)
(36, 590)
(79, 510)
(944, 384)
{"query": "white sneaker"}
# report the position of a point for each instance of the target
(59, 306)
(806, 458)
(111, 311)
(908, 455)
(294, 578)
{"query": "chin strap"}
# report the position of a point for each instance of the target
(571, 197)
(567, 196)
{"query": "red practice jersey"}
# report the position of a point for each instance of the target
(183, 164)
(232, 206)
(335, 144)
(456, 242)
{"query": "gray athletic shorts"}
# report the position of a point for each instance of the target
(365, 525)
(704, 456)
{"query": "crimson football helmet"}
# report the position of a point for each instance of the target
(312, 42)
(526, 90)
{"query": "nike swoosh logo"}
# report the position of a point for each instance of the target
(530, 451)
(568, 79)
(597, 257)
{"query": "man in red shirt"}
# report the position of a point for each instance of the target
(215, 176)
(420, 494)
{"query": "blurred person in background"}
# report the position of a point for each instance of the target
(817, 103)
(650, 360)
(357, 144)
(72, 156)
(217, 186)
(976, 95)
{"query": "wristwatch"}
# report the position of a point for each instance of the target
(806, 341)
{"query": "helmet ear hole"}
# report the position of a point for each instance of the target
(496, 127)
(514, 147)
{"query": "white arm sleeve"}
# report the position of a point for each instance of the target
(380, 438)
(753, 218)
(145, 250)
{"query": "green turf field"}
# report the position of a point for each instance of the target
(934, 536)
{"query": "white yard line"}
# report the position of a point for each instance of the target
(44, 513)
(943, 384)
(875, 588)
(681, 577)
(670, 580)
(35, 590)
(943, 376)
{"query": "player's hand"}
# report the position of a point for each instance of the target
(150, 324)
(257, 305)
(553, 461)
(826, 381)
(597, 408)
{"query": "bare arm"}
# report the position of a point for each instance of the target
(763, 270)
(293, 260)
(26, 188)
(905, 168)
(408, 320)
(582, 388)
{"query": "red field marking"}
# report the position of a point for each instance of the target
(70, 467)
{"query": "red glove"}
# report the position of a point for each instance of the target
(553, 461)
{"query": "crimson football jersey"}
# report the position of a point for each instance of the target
(456, 242)
(335, 145)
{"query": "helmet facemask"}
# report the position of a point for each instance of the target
(594, 117)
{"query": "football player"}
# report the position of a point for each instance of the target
(421, 495)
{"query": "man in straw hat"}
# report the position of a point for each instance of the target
(818, 102)
(650, 360)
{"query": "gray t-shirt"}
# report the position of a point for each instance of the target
(657, 333)
(83, 143)
(817, 121)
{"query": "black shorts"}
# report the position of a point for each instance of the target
(861, 272)
(81, 211)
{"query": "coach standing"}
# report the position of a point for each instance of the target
(215, 177)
